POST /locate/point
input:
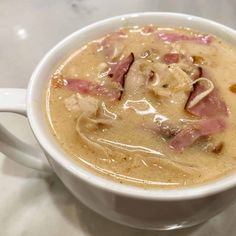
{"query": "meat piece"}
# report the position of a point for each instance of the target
(190, 134)
(170, 58)
(93, 89)
(165, 129)
(211, 126)
(173, 37)
(78, 103)
(185, 138)
(210, 106)
(111, 92)
(120, 69)
(112, 45)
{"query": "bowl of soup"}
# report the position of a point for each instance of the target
(147, 106)
(136, 116)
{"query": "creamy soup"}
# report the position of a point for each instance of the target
(148, 106)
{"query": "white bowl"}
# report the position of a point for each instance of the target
(133, 206)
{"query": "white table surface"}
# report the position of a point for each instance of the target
(32, 204)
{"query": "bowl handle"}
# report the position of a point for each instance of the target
(14, 100)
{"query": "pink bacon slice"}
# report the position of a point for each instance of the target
(213, 111)
(165, 129)
(120, 69)
(108, 44)
(170, 58)
(211, 105)
(91, 88)
(173, 37)
(189, 135)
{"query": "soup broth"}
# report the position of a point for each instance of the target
(148, 106)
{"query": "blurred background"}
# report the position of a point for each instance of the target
(34, 204)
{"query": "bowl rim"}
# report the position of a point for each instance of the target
(177, 194)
